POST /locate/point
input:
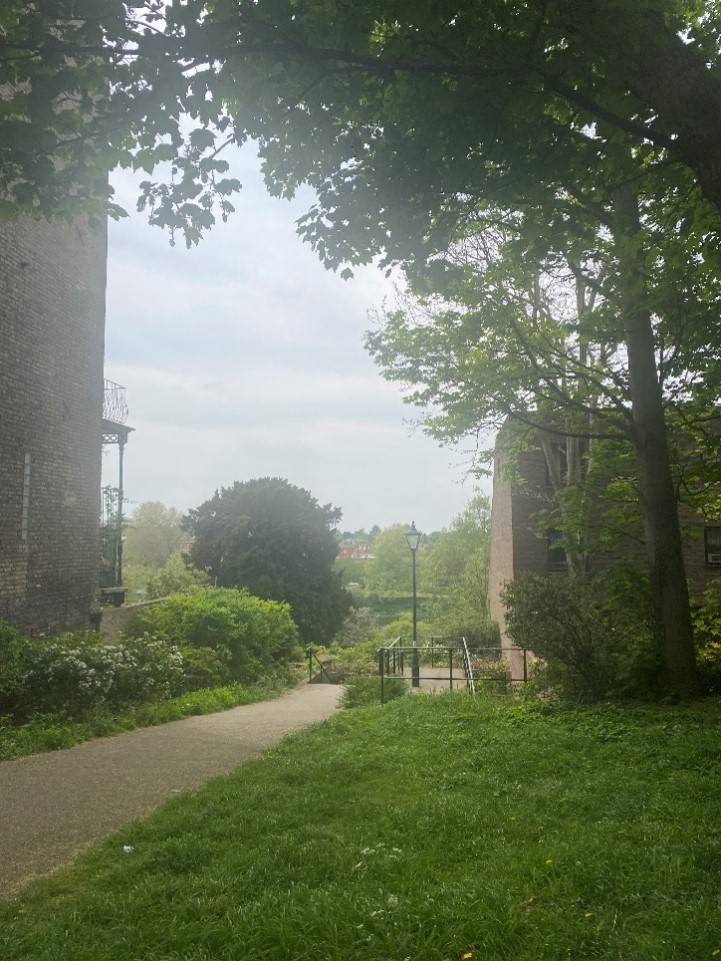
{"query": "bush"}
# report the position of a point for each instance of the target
(594, 635)
(73, 675)
(561, 620)
(707, 625)
(359, 627)
(177, 576)
(206, 667)
(366, 691)
(259, 634)
(13, 653)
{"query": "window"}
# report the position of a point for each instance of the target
(556, 554)
(713, 546)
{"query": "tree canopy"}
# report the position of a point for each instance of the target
(276, 540)
(153, 534)
(399, 113)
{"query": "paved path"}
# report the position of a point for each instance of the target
(436, 678)
(54, 805)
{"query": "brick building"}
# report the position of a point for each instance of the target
(52, 319)
(520, 544)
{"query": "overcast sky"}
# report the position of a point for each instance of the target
(243, 358)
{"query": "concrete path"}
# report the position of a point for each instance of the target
(54, 805)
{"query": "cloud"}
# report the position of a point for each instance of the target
(243, 358)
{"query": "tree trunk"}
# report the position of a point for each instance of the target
(657, 493)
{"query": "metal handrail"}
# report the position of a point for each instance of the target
(312, 656)
(467, 667)
(392, 655)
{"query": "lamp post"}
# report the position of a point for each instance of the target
(413, 537)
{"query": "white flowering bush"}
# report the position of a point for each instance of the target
(75, 674)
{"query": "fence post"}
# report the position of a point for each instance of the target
(309, 655)
(381, 664)
(450, 667)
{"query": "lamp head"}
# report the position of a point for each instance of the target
(413, 537)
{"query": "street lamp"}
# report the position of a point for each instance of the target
(413, 537)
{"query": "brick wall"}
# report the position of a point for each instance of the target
(52, 315)
(516, 547)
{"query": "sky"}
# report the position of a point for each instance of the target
(243, 358)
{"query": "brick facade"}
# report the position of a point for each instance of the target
(518, 546)
(52, 319)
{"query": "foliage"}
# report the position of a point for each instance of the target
(707, 621)
(458, 578)
(366, 691)
(360, 626)
(390, 571)
(74, 674)
(586, 642)
(361, 838)
(176, 576)
(153, 535)
(50, 732)
(13, 665)
(206, 667)
(135, 579)
(277, 541)
(259, 634)
(362, 658)
(169, 84)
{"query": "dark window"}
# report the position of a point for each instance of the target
(556, 554)
(713, 546)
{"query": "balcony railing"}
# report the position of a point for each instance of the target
(115, 407)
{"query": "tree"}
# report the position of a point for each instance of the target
(416, 88)
(154, 533)
(390, 570)
(403, 116)
(561, 329)
(277, 541)
(457, 576)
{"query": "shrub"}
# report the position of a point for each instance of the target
(562, 620)
(365, 691)
(13, 653)
(594, 635)
(177, 576)
(206, 667)
(259, 634)
(707, 625)
(73, 675)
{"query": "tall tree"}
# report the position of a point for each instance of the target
(153, 534)
(457, 576)
(276, 540)
(510, 338)
(390, 570)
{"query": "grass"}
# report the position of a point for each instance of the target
(431, 829)
(50, 733)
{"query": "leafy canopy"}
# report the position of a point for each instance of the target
(277, 541)
(399, 113)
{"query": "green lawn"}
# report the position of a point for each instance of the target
(430, 829)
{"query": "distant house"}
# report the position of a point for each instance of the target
(52, 327)
(352, 550)
(522, 543)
